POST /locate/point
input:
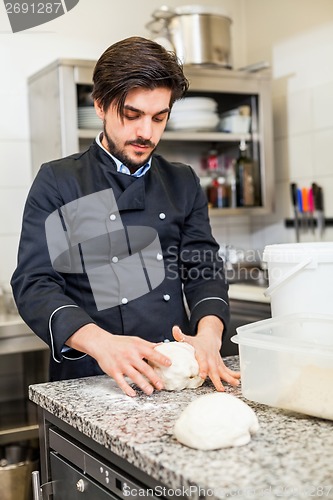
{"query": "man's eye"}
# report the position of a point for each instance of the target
(159, 118)
(131, 117)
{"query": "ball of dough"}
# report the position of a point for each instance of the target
(214, 421)
(184, 371)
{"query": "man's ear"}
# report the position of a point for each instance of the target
(99, 109)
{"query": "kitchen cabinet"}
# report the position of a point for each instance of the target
(95, 438)
(56, 91)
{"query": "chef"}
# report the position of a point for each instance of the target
(116, 245)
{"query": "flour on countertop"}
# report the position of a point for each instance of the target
(107, 392)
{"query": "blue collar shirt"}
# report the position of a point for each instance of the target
(120, 166)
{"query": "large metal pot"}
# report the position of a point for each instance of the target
(198, 35)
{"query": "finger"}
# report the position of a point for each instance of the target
(180, 336)
(151, 375)
(157, 358)
(216, 380)
(140, 380)
(233, 373)
(124, 386)
(228, 377)
(149, 353)
(228, 371)
(203, 364)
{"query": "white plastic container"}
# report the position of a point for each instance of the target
(236, 124)
(287, 362)
(300, 277)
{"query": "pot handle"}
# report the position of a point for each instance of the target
(271, 289)
(163, 12)
(156, 26)
(160, 18)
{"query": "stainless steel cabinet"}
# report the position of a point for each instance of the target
(54, 97)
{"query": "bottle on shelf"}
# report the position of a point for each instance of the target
(217, 190)
(244, 172)
(231, 184)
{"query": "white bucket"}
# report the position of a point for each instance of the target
(300, 278)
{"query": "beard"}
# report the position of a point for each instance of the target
(120, 154)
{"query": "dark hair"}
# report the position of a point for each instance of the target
(133, 63)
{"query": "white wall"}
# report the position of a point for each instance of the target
(294, 35)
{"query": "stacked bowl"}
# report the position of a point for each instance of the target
(194, 114)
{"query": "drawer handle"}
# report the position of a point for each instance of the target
(39, 491)
(36, 489)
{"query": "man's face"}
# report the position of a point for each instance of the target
(133, 136)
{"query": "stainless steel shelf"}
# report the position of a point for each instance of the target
(183, 135)
(16, 336)
(15, 434)
(258, 210)
(18, 421)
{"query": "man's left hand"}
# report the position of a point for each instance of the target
(207, 344)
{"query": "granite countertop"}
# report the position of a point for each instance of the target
(290, 456)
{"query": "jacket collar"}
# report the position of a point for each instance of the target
(128, 190)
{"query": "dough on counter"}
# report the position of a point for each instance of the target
(184, 371)
(214, 421)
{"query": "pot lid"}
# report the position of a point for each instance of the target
(200, 9)
(164, 12)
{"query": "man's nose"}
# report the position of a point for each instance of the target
(145, 128)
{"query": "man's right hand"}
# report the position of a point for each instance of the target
(121, 356)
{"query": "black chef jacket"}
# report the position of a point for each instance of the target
(167, 198)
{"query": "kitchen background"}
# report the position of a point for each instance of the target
(294, 36)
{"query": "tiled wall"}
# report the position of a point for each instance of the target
(302, 94)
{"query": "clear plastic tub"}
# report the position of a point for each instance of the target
(287, 362)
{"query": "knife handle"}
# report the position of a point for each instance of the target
(319, 201)
(305, 200)
(311, 200)
(299, 200)
(293, 192)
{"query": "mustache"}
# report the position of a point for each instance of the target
(141, 142)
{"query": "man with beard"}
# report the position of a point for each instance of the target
(86, 280)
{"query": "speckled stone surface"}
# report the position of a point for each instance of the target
(289, 457)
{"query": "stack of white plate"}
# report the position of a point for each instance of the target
(87, 117)
(194, 113)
